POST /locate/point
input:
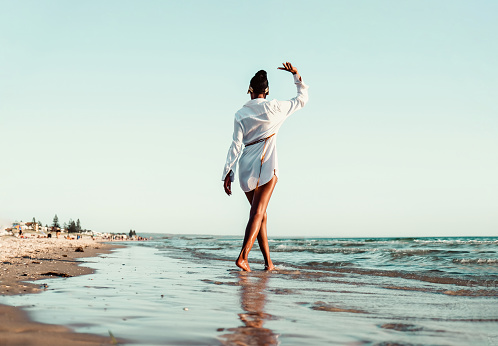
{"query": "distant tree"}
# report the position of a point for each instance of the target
(34, 220)
(55, 222)
(40, 224)
(78, 226)
(71, 227)
(131, 233)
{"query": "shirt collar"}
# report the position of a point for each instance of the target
(255, 101)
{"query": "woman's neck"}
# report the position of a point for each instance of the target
(257, 96)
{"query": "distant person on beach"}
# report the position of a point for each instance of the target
(254, 144)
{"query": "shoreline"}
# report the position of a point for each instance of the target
(184, 290)
(23, 260)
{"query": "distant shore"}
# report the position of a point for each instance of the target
(36, 259)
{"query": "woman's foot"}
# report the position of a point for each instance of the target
(243, 264)
(269, 267)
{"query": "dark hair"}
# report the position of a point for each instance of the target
(259, 83)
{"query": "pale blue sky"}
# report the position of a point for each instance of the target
(120, 113)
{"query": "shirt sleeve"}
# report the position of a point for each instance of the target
(298, 102)
(234, 151)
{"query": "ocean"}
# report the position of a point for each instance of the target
(186, 290)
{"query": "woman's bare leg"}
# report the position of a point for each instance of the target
(262, 236)
(260, 201)
(263, 245)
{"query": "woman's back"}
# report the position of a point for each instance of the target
(260, 118)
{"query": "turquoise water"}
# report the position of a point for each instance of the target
(179, 289)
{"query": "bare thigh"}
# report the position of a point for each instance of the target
(260, 197)
(250, 196)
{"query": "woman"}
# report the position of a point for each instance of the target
(256, 126)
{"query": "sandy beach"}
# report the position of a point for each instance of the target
(185, 290)
(36, 259)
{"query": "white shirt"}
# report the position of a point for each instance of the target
(256, 120)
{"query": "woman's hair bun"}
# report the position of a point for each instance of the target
(259, 83)
(261, 74)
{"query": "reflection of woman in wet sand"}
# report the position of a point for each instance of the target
(252, 300)
(255, 127)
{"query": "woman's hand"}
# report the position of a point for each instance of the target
(287, 66)
(227, 185)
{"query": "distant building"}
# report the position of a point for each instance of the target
(32, 226)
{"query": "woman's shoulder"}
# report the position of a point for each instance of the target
(273, 105)
(255, 109)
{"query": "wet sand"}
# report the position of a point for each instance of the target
(16, 328)
(154, 293)
(34, 260)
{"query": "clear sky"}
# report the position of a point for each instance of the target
(120, 113)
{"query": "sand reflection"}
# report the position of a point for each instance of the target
(252, 300)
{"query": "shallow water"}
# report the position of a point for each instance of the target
(181, 289)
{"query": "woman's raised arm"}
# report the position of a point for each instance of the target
(298, 102)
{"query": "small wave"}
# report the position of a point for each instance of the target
(456, 241)
(317, 265)
(429, 253)
(409, 252)
(475, 260)
(317, 250)
(405, 240)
